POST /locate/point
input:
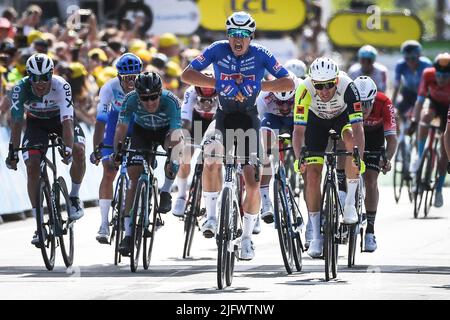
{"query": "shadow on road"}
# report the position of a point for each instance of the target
(184, 270)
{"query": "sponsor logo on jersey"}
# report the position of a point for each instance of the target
(300, 109)
(357, 106)
(200, 58)
(277, 67)
(236, 76)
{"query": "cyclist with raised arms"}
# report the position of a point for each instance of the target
(326, 100)
(367, 66)
(239, 67)
(435, 85)
(379, 126)
(198, 108)
(46, 99)
(111, 98)
(157, 119)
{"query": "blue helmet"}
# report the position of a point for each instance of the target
(367, 52)
(411, 47)
(129, 63)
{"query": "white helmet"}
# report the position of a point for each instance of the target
(241, 20)
(297, 67)
(284, 96)
(323, 69)
(366, 87)
(39, 64)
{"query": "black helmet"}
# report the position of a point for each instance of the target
(148, 83)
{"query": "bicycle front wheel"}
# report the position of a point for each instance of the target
(297, 220)
(45, 220)
(282, 225)
(117, 221)
(223, 236)
(329, 212)
(422, 179)
(150, 231)
(137, 226)
(399, 168)
(66, 233)
(190, 218)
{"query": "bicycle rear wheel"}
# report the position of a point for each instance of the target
(66, 234)
(117, 220)
(190, 218)
(222, 236)
(46, 223)
(282, 225)
(297, 221)
(137, 227)
(150, 231)
(353, 230)
(293, 177)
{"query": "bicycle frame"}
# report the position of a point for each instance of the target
(280, 174)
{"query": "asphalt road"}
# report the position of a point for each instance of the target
(412, 262)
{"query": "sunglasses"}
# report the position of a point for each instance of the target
(411, 58)
(367, 104)
(324, 85)
(239, 33)
(443, 75)
(41, 77)
(128, 77)
(282, 103)
(151, 97)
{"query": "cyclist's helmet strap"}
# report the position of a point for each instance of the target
(148, 83)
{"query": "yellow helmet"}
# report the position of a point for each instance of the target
(136, 45)
(168, 40)
(173, 69)
(99, 52)
(77, 70)
(145, 55)
(34, 35)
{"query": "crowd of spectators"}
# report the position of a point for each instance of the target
(84, 54)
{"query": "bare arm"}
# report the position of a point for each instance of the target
(298, 139)
(16, 130)
(67, 133)
(358, 136)
(416, 112)
(278, 85)
(394, 95)
(196, 78)
(391, 146)
(99, 132)
(119, 136)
